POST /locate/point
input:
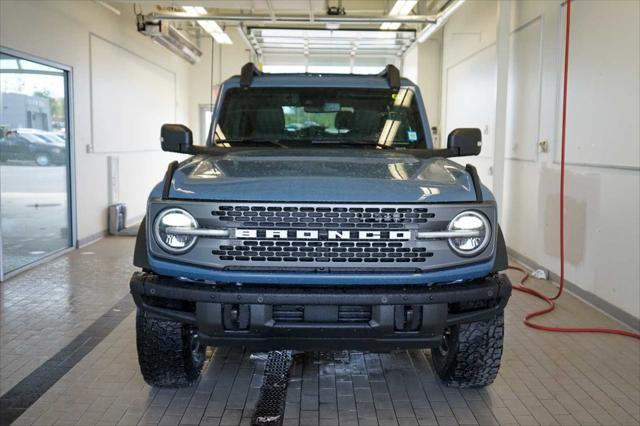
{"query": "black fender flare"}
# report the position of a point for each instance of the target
(501, 262)
(140, 253)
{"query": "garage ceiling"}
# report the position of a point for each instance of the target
(315, 42)
(290, 7)
(307, 12)
(304, 30)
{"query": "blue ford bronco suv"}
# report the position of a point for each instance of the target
(319, 216)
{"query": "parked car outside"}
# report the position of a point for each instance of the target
(43, 148)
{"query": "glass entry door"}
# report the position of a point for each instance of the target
(35, 199)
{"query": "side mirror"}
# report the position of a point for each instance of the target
(176, 138)
(463, 142)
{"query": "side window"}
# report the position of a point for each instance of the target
(406, 111)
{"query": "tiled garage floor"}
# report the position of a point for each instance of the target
(46, 308)
(545, 378)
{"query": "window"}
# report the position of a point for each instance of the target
(314, 115)
(35, 199)
(284, 69)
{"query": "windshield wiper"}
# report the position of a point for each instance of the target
(292, 143)
(256, 141)
(347, 142)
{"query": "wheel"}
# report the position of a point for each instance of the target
(469, 355)
(169, 353)
(43, 159)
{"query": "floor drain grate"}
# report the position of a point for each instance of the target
(273, 393)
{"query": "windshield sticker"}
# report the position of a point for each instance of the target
(412, 135)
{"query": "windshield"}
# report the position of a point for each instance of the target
(31, 137)
(298, 116)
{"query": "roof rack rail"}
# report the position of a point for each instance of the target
(393, 76)
(249, 70)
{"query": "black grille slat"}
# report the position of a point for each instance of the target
(346, 313)
(288, 313)
(375, 217)
(355, 313)
(321, 251)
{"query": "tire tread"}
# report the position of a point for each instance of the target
(474, 359)
(163, 353)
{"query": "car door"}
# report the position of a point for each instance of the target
(11, 146)
(25, 147)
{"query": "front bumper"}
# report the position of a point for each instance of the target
(318, 318)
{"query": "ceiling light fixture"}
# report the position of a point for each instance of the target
(442, 17)
(169, 37)
(210, 27)
(401, 8)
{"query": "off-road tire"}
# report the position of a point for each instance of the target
(470, 353)
(169, 353)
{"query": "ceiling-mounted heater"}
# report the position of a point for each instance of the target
(168, 36)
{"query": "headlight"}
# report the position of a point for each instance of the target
(175, 243)
(474, 222)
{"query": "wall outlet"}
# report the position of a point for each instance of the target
(544, 146)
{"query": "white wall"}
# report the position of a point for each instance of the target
(60, 32)
(469, 78)
(227, 61)
(422, 65)
(602, 204)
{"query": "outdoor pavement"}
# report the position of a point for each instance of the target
(35, 220)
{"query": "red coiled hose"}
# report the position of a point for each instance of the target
(521, 286)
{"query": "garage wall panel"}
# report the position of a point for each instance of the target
(471, 95)
(64, 37)
(603, 105)
(422, 64)
(227, 61)
(471, 102)
(468, 42)
(524, 91)
(131, 98)
(602, 203)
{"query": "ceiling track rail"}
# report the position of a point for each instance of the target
(362, 20)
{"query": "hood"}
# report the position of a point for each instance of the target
(327, 175)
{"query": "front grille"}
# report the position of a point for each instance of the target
(322, 217)
(321, 237)
(322, 251)
(345, 313)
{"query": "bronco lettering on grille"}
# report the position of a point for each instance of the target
(310, 234)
